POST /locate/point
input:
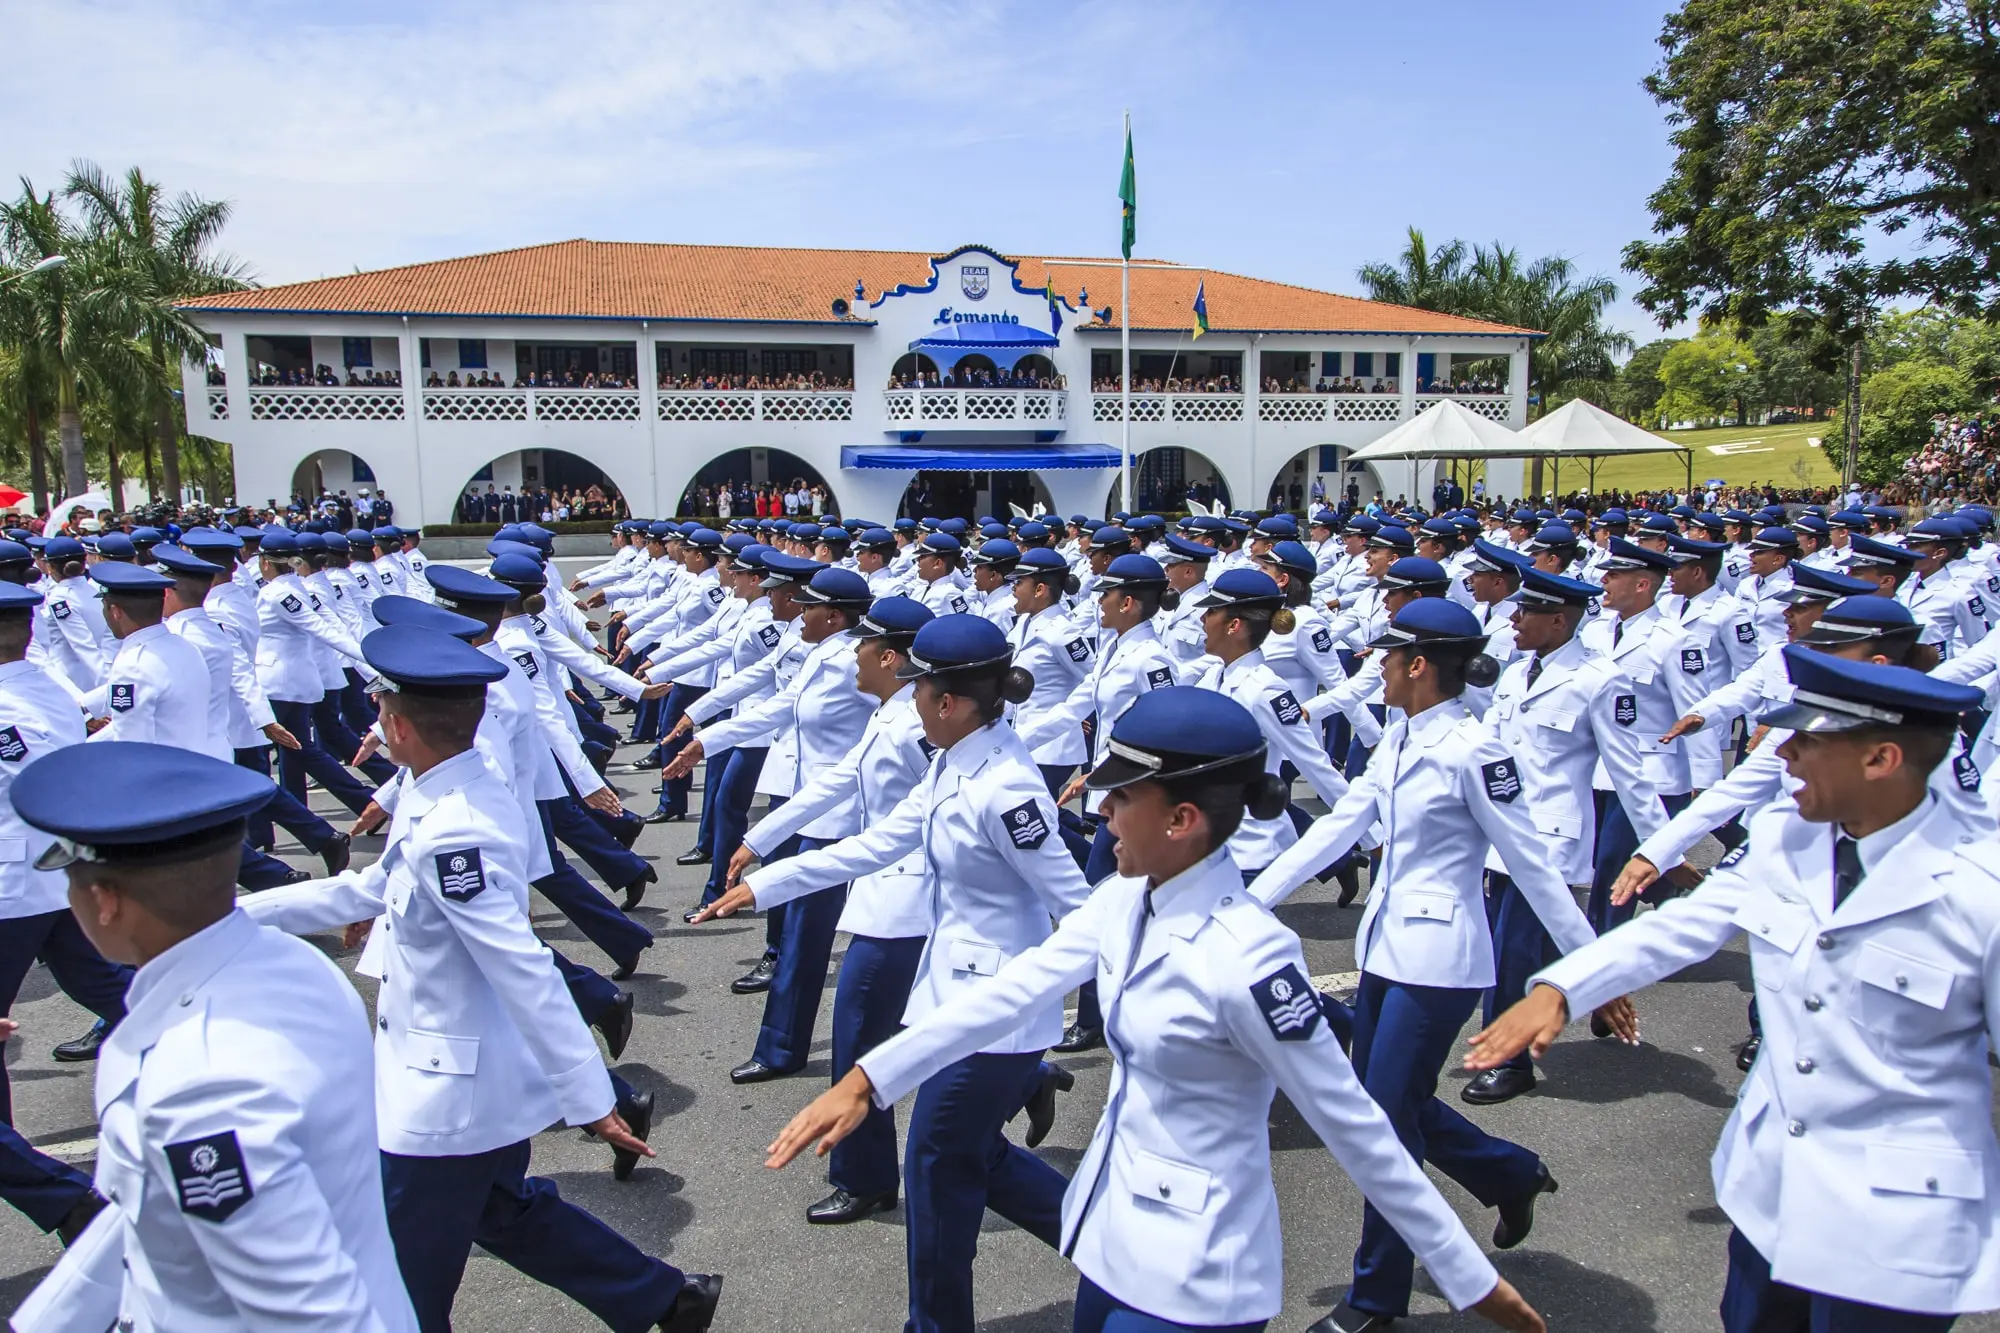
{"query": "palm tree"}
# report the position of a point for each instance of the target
(52, 335)
(1420, 277)
(166, 248)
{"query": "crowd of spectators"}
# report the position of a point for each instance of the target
(816, 382)
(1173, 384)
(540, 504)
(1961, 459)
(976, 379)
(320, 376)
(741, 499)
(547, 379)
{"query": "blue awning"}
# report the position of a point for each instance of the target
(980, 458)
(979, 337)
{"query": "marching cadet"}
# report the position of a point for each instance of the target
(1171, 1219)
(1955, 606)
(290, 632)
(1873, 920)
(824, 715)
(1186, 563)
(938, 583)
(236, 1143)
(479, 1047)
(1496, 575)
(158, 686)
(874, 550)
(887, 913)
(75, 617)
(1304, 655)
(982, 820)
(1560, 710)
(1445, 790)
(1047, 647)
(992, 596)
(1770, 575)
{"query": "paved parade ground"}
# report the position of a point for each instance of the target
(1633, 1240)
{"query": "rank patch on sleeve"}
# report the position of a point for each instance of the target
(1692, 661)
(12, 748)
(527, 661)
(1159, 676)
(60, 610)
(769, 636)
(1742, 850)
(958, 605)
(122, 698)
(1286, 705)
(1322, 640)
(1077, 650)
(291, 604)
(1977, 606)
(1746, 632)
(1962, 767)
(1026, 826)
(314, 598)
(460, 875)
(361, 578)
(1503, 780)
(210, 1175)
(1625, 709)
(715, 595)
(1289, 1004)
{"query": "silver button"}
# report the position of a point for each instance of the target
(1813, 1003)
(1804, 1065)
(383, 1024)
(1826, 941)
(434, 1062)
(1227, 901)
(1930, 1183)
(1764, 929)
(1166, 1190)
(1902, 982)
(1797, 1129)
(187, 1000)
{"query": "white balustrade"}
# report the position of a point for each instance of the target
(475, 404)
(584, 404)
(218, 404)
(1206, 406)
(933, 407)
(325, 404)
(802, 406)
(1284, 407)
(1364, 407)
(707, 405)
(1493, 406)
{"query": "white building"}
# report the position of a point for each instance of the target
(1286, 380)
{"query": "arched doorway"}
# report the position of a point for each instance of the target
(335, 475)
(540, 485)
(973, 368)
(911, 366)
(1035, 369)
(971, 494)
(1164, 479)
(747, 473)
(1321, 475)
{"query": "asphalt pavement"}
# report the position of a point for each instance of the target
(1633, 1241)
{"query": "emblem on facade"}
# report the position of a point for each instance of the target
(975, 281)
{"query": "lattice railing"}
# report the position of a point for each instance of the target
(900, 405)
(805, 407)
(937, 405)
(311, 404)
(218, 404)
(1145, 407)
(934, 406)
(475, 404)
(1205, 407)
(584, 404)
(1364, 407)
(1492, 406)
(707, 405)
(1292, 407)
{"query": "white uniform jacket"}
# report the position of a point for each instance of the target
(221, 656)
(693, 658)
(995, 870)
(872, 779)
(821, 712)
(478, 1044)
(1287, 737)
(74, 615)
(1444, 790)
(945, 597)
(1128, 666)
(1049, 648)
(1758, 595)
(36, 717)
(290, 634)
(237, 1148)
(1871, 1102)
(159, 690)
(1305, 659)
(1665, 667)
(1207, 1012)
(1180, 629)
(515, 636)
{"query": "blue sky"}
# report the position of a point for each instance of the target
(1287, 141)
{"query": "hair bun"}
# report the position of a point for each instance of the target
(1169, 599)
(1267, 797)
(1283, 621)
(534, 603)
(1071, 585)
(1016, 685)
(1481, 671)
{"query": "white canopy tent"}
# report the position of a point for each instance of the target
(1444, 430)
(1580, 429)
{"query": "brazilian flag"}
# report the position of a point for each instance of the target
(1128, 194)
(1055, 304)
(1200, 309)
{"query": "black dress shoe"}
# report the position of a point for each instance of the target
(694, 1309)
(1746, 1054)
(635, 892)
(616, 1024)
(82, 1048)
(92, 1203)
(693, 856)
(1041, 1107)
(336, 853)
(1077, 1037)
(628, 967)
(692, 912)
(756, 1071)
(650, 759)
(1517, 1219)
(840, 1206)
(626, 830)
(1598, 1027)
(1344, 1318)
(637, 1113)
(757, 978)
(1349, 875)
(1492, 1086)
(664, 817)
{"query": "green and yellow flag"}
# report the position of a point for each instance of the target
(1200, 309)
(1128, 194)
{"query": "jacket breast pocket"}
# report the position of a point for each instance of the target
(1773, 923)
(1555, 719)
(1925, 1207)
(1170, 1184)
(973, 958)
(1422, 905)
(442, 1081)
(1898, 995)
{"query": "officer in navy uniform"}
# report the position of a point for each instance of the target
(478, 1047)
(1872, 913)
(995, 874)
(1171, 1218)
(1444, 790)
(236, 1144)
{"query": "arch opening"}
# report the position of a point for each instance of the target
(948, 494)
(756, 483)
(335, 483)
(1165, 478)
(540, 485)
(910, 369)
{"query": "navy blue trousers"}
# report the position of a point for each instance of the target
(284, 809)
(588, 910)
(84, 974)
(356, 708)
(1098, 1311)
(712, 769)
(340, 740)
(674, 792)
(956, 1165)
(1617, 840)
(731, 797)
(647, 723)
(1521, 948)
(1753, 1303)
(1403, 1035)
(588, 833)
(257, 870)
(592, 994)
(868, 1001)
(311, 758)
(1103, 861)
(791, 1006)
(36, 1183)
(440, 1207)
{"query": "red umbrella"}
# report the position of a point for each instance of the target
(9, 497)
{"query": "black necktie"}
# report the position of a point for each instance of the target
(1847, 871)
(1617, 631)
(1534, 670)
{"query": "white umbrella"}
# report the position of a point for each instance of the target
(1445, 429)
(90, 502)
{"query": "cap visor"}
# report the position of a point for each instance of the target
(1808, 718)
(1116, 772)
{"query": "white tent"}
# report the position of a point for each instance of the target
(1580, 429)
(1444, 430)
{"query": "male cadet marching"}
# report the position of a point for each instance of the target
(158, 686)
(1859, 1166)
(236, 1145)
(478, 1047)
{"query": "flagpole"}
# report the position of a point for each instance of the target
(1125, 362)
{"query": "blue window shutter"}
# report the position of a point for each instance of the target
(1364, 364)
(1392, 364)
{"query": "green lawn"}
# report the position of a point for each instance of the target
(1752, 455)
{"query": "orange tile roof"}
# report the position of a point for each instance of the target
(631, 280)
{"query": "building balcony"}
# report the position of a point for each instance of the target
(1178, 407)
(1492, 406)
(756, 405)
(973, 409)
(311, 403)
